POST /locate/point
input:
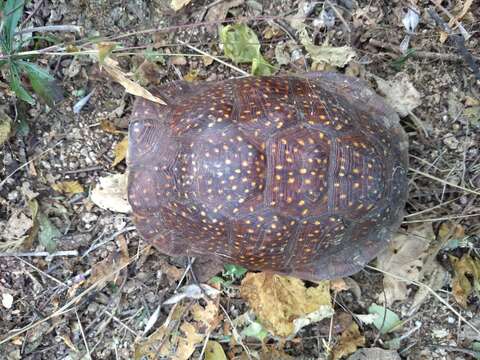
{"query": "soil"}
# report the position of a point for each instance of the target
(60, 145)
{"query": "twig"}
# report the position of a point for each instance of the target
(113, 317)
(445, 182)
(42, 272)
(335, 10)
(68, 306)
(441, 218)
(430, 290)
(39, 254)
(214, 58)
(30, 161)
(51, 28)
(83, 335)
(458, 41)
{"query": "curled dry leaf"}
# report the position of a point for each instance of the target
(120, 151)
(404, 258)
(350, 340)
(111, 193)
(466, 280)
(399, 93)
(283, 304)
(130, 86)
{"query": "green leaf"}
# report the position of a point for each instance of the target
(255, 330)
(43, 83)
(16, 85)
(48, 234)
(12, 14)
(240, 44)
(386, 319)
(234, 271)
(400, 62)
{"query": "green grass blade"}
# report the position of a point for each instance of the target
(12, 13)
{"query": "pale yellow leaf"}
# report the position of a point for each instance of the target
(282, 303)
(467, 278)
(187, 343)
(214, 351)
(130, 86)
(68, 187)
(120, 151)
(111, 193)
(178, 4)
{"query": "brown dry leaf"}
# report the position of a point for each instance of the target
(191, 76)
(274, 354)
(399, 93)
(158, 343)
(120, 151)
(111, 193)
(187, 343)
(350, 340)
(109, 127)
(338, 285)
(107, 269)
(5, 127)
(130, 86)
(375, 354)
(463, 11)
(219, 11)
(404, 258)
(462, 286)
(178, 4)
(16, 229)
(178, 60)
(68, 187)
(207, 316)
(207, 60)
(283, 304)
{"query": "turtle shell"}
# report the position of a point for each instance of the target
(299, 175)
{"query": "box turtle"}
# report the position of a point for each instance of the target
(301, 175)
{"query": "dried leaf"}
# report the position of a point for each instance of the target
(465, 8)
(219, 11)
(111, 193)
(214, 351)
(399, 93)
(192, 291)
(130, 86)
(109, 127)
(334, 56)
(350, 340)
(120, 151)
(273, 354)
(17, 227)
(187, 343)
(178, 4)
(68, 187)
(5, 127)
(462, 286)
(104, 50)
(283, 303)
(404, 258)
(374, 354)
(207, 316)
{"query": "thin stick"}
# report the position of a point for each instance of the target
(430, 290)
(51, 28)
(43, 272)
(30, 161)
(445, 182)
(39, 254)
(441, 218)
(83, 335)
(68, 305)
(432, 208)
(339, 15)
(214, 58)
(120, 322)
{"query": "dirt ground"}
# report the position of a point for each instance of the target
(58, 145)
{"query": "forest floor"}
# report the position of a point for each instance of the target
(78, 282)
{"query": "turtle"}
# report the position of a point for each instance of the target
(302, 175)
